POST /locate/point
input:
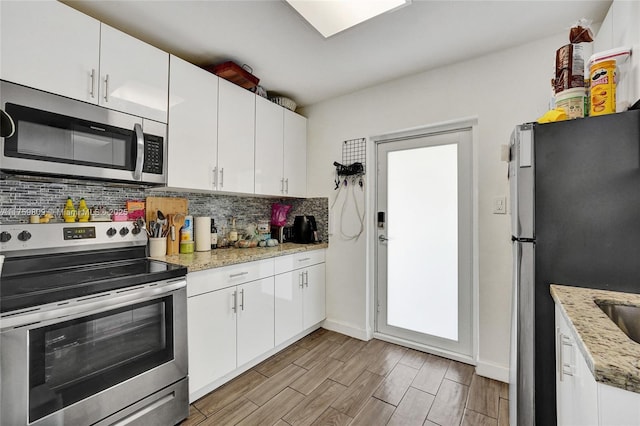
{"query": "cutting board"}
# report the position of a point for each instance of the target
(167, 205)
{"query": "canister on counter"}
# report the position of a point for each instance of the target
(603, 88)
(186, 233)
(186, 247)
(202, 233)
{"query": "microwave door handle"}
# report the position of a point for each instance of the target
(137, 172)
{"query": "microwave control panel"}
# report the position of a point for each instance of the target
(153, 153)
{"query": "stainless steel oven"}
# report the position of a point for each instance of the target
(89, 334)
(54, 135)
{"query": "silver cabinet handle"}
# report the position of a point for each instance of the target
(287, 184)
(242, 299)
(106, 88)
(382, 239)
(239, 274)
(234, 305)
(93, 83)
(565, 367)
(301, 279)
(137, 172)
(304, 260)
(222, 177)
(306, 278)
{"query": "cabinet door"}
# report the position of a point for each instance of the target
(576, 388)
(564, 363)
(50, 46)
(295, 154)
(236, 128)
(269, 151)
(134, 76)
(288, 305)
(255, 319)
(193, 129)
(314, 298)
(212, 337)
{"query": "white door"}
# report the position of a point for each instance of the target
(295, 154)
(424, 247)
(50, 46)
(236, 128)
(212, 337)
(268, 156)
(193, 111)
(288, 305)
(255, 319)
(134, 76)
(314, 298)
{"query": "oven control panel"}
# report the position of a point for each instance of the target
(66, 236)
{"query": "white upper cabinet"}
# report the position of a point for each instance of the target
(134, 76)
(269, 148)
(236, 129)
(50, 46)
(281, 150)
(295, 154)
(193, 126)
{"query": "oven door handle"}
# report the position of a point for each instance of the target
(137, 172)
(93, 304)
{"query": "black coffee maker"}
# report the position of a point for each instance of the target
(305, 230)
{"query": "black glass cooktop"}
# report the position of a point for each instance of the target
(25, 285)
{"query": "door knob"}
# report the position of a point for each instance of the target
(382, 238)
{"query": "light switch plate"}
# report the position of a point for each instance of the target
(500, 205)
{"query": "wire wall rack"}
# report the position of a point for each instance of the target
(353, 158)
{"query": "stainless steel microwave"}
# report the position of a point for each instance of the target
(58, 136)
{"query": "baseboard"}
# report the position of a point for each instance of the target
(493, 371)
(347, 329)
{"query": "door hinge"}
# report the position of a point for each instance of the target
(378, 307)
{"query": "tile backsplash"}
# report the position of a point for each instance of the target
(21, 196)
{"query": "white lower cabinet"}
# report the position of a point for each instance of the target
(230, 320)
(300, 293)
(581, 401)
(211, 320)
(239, 314)
(255, 319)
(577, 393)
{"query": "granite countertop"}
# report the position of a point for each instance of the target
(199, 261)
(612, 357)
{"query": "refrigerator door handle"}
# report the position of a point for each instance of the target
(525, 332)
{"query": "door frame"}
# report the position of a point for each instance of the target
(466, 123)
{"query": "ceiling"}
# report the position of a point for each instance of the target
(291, 58)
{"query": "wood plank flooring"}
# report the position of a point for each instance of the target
(327, 378)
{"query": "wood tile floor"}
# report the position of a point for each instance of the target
(327, 378)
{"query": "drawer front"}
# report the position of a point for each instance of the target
(215, 279)
(299, 260)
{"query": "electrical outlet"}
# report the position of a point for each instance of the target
(500, 205)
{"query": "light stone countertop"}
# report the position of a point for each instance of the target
(612, 357)
(199, 261)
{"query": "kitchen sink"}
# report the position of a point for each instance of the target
(626, 317)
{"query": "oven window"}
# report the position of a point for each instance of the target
(75, 359)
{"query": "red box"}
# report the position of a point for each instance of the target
(235, 73)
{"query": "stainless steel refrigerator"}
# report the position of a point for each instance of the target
(575, 206)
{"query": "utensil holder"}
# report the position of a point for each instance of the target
(157, 247)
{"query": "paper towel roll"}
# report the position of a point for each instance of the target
(203, 233)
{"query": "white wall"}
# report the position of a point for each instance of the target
(502, 90)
